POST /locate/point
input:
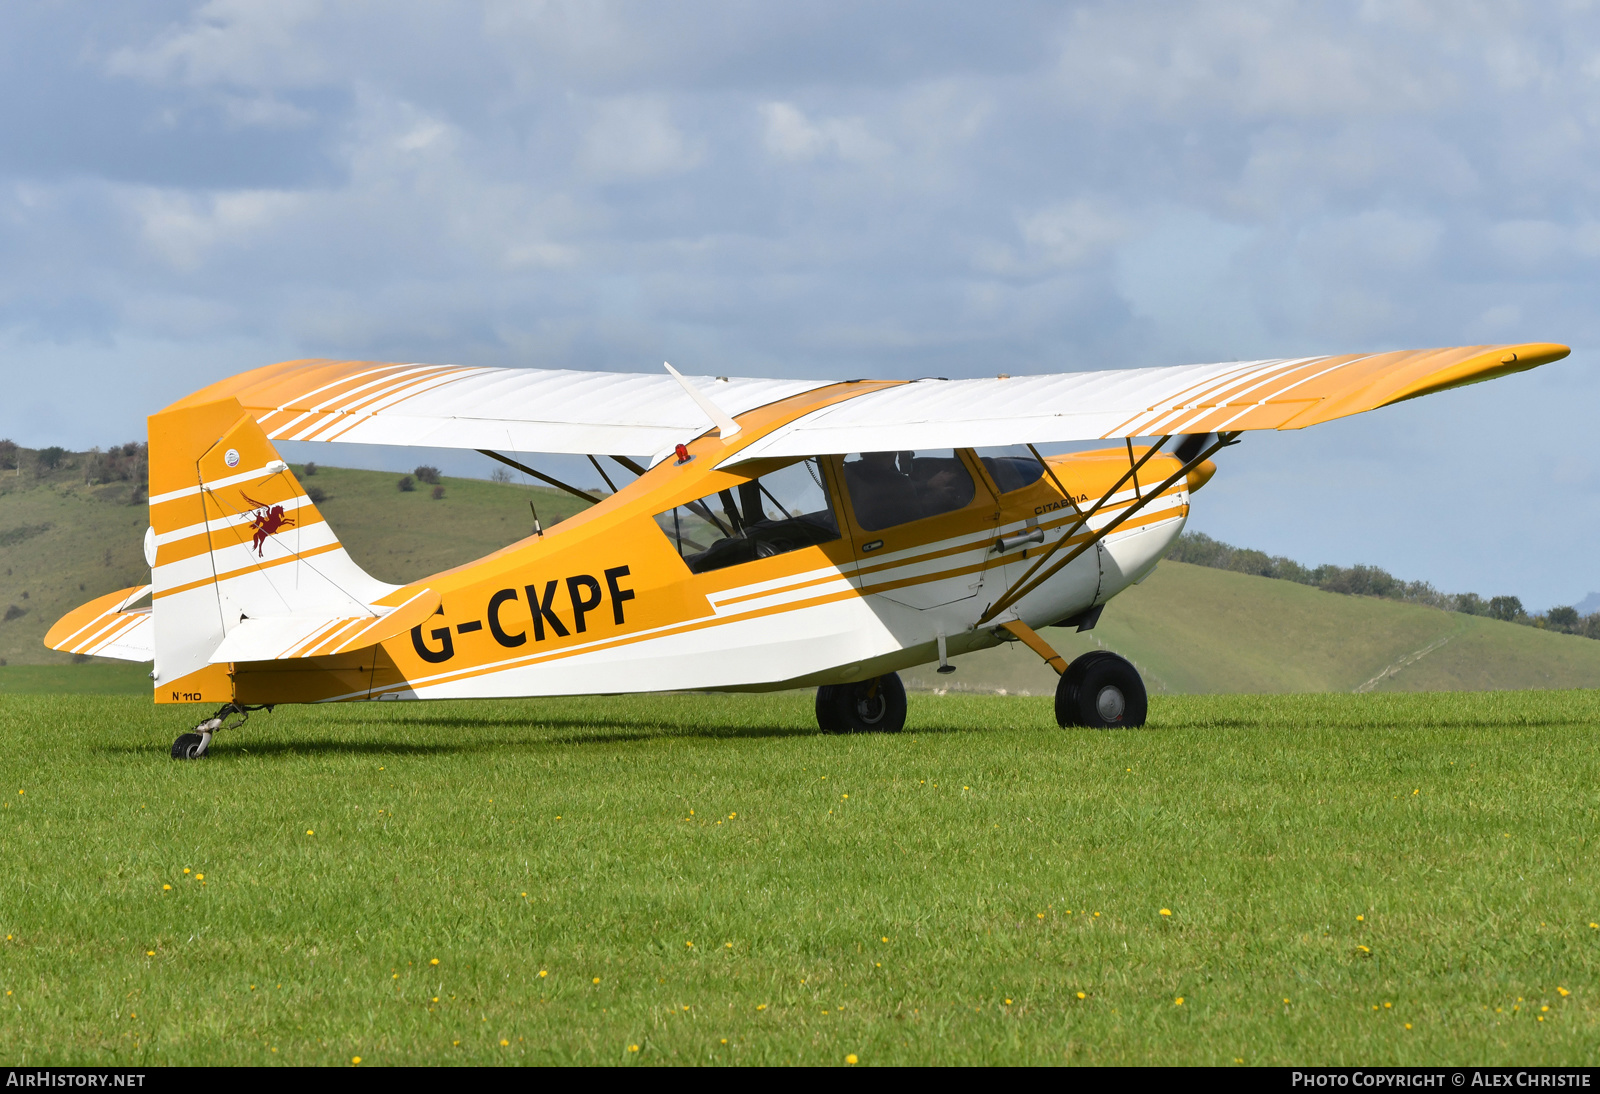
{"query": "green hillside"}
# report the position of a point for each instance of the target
(1190, 629)
(63, 542)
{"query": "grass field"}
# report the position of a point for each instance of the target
(1375, 878)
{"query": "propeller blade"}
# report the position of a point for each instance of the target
(1191, 446)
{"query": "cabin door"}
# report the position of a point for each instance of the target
(922, 524)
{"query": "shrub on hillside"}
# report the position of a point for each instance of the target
(308, 470)
(317, 494)
(427, 474)
(406, 484)
(50, 458)
(8, 455)
(438, 493)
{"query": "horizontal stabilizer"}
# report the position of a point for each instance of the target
(105, 627)
(285, 637)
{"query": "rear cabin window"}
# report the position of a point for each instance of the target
(1011, 467)
(782, 511)
(890, 488)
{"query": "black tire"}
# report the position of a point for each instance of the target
(190, 746)
(1067, 712)
(1102, 691)
(867, 706)
(827, 712)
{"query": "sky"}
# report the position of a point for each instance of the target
(841, 190)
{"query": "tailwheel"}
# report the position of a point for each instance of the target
(192, 746)
(867, 706)
(1102, 691)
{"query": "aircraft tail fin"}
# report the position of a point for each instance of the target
(235, 540)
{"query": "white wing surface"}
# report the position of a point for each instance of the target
(634, 414)
(521, 410)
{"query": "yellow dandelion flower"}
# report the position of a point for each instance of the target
(728, 945)
(1166, 911)
(761, 1006)
(724, 1040)
(1040, 915)
(884, 938)
(543, 973)
(597, 980)
(1541, 1017)
(149, 953)
(1544, 1008)
(186, 869)
(396, 976)
(1408, 1025)
(1008, 1002)
(1178, 1002)
(355, 1059)
(1562, 991)
(689, 944)
(635, 1048)
(504, 1043)
(1361, 919)
(732, 815)
(166, 888)
(199, 877)
(1082, 995)
(434, 961)
(309, 832)
(850, 1059)
(1386, 1006)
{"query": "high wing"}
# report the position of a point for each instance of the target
(1083, 406)
(523, 410)
(635, 414)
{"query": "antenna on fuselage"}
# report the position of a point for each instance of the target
(718, 416)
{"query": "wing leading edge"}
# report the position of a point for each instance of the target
(521, 410)
(1083, 406)
(644, 415)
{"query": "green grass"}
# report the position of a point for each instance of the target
(96, 678)
(1009, 864)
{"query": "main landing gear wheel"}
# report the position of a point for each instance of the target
(867, 706)
(1102, 691)
(192, 746)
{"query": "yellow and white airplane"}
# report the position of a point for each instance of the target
(778, 534)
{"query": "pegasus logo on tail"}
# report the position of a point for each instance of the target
(269, 519)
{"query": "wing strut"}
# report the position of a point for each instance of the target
(1023, 585)
(526, 470)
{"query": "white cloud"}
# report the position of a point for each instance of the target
(186, 228)
(790, 135)
(635, 135)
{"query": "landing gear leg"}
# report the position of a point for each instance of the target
(192, 746)
(868, 706)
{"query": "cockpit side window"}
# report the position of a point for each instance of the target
(1011, 467)
(782, 511)
(890, 488)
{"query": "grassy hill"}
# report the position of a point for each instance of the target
(1190, 629)
(63, 542)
